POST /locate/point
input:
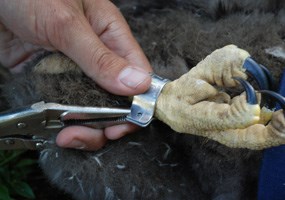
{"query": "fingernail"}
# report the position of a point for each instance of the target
(76, 144)
(132, 77)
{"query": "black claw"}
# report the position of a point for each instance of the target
(257, 73)
(250, 93)
(270, 79)
(269, 103)
(277, 97)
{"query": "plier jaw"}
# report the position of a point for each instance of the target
(32, 127)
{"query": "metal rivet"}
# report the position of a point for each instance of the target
(39, 145)
(21, 125)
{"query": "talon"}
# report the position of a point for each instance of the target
(279, 98)
(270, 79)
(257, 73)
(272, 86)
(250, 93)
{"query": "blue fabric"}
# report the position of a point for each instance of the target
(272, 174)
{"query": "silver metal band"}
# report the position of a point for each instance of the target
(143, 105)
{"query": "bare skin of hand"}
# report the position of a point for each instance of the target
(94, 34)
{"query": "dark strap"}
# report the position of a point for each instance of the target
(272, 174)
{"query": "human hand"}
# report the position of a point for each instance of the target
(94, 34)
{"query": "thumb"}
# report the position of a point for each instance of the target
(114, 73)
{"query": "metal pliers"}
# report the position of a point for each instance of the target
(32, 127)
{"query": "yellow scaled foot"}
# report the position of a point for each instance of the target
(194, 104)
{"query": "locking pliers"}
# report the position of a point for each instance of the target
(31, 127)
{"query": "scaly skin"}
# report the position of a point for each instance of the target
(193, 104)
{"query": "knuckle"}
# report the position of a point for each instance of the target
(58, 27)
(64, 18)
(104, 60)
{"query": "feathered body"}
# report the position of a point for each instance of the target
(156, 162)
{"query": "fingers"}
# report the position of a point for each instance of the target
(113, 63)
(113, 30)
(84, 138)
(92, 32)
(12, 50)
(107, 52)
(95, 35)
(80, 137)
(116, 132)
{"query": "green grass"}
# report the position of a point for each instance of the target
(14, 170)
